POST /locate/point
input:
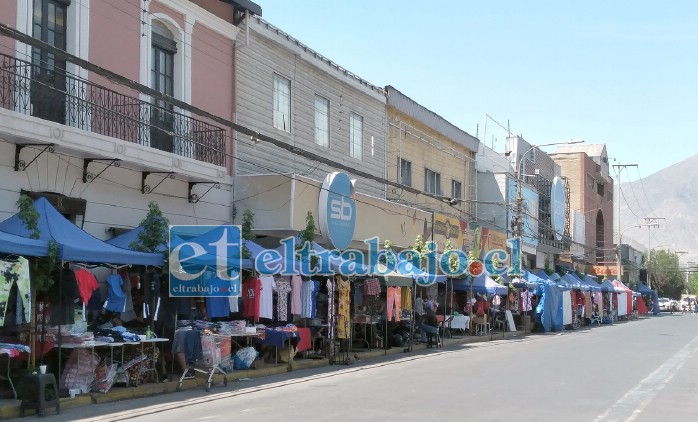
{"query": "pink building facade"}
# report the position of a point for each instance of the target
(70, 131)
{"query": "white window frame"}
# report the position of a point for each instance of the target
(456, 193)
(356, 136)
(281, 103)
(432, 182)
(321, 106)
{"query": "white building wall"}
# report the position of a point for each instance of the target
(114, 199)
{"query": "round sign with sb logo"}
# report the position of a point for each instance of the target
(337, 210)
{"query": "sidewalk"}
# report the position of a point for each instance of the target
(9, 409)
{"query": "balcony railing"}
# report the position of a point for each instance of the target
(53, 94)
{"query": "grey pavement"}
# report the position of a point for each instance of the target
(643, 370)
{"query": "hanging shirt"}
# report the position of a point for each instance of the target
(266, 297)
(251, 289)
(307, 299)
(233, 304)
(87, 284)
(283, 288)
(217, 307)
(11, 273)
(116, 300)
(296, 291)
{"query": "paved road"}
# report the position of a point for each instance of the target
(644, 370)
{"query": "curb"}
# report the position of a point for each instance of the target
(11, 411)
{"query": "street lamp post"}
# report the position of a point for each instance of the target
(519, 174)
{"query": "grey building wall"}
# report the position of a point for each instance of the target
(263, 50)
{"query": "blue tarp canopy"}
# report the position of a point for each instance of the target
(75, 244)
(124, 240)
(12, 244)
(481, 284)
(589, 281)
(549, 309)
(573, 282)
(607, 286)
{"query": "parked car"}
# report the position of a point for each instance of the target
(664, 304)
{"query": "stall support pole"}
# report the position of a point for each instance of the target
(413, 315)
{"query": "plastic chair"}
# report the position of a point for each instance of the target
(40, 392)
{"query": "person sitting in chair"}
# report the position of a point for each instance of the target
(480, 310)
(430, 325)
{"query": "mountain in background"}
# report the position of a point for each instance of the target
(671, 193)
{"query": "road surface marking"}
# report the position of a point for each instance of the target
(631, 405)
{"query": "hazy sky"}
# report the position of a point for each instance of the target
(623, 73)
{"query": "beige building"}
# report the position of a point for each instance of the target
(428, 153)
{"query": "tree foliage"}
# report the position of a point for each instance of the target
(41, 269)
(665, 274)
(155, 230)
(247, 233)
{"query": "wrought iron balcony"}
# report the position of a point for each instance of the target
(53, 94)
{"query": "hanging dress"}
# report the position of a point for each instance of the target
(343, 318)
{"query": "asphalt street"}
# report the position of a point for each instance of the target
(645, 370)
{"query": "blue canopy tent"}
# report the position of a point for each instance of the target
(482, 284)
(644, 290)
(575, 283)
(589, 282)
(18, 245)
(75, 244)
(124, 240)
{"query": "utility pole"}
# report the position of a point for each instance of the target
(619, 267)
(650, 222)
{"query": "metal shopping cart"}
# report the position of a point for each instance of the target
(216, 357)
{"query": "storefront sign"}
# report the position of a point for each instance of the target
(447, 228)
(337, 210)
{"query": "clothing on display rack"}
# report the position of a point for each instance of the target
(393, 303)
(406, 298)
(283, 288)
(234, 303)
(266, 297)
(116, 300)
(87, 286)
(308, 299)
(11, 273)
(296, 293)
(153, 281)
(331, 308)
(343, 308)
(129, 313)
(63, 294)
(218, 307)
(251, 289)
(372, 287)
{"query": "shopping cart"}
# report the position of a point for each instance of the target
(216, 357)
